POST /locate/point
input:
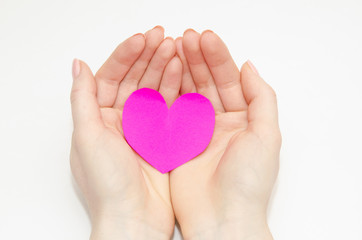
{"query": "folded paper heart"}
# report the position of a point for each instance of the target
(167, 138)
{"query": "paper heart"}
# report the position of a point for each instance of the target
(167, 138)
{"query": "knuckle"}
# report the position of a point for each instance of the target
(79, 138)
(275, 138)
(271, 91)
(278, 138)
(272, 137)
(75, 94)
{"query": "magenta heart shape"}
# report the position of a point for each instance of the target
(167, 138)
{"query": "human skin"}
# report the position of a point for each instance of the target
(223, 193)
(126, 197)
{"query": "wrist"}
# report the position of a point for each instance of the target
(110, 228)
(247, 229)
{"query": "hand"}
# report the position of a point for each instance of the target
(127, 198)
(223, 192)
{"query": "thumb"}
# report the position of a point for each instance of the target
(262, 102)
(85, 108)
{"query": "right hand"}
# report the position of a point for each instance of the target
(127, 198)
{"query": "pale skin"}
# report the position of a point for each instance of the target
(222, 193)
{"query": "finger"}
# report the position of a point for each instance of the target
(116, 67)
(85, 108)
(201, 74)
(130, 82)
(153, 74)
(187, 84)
(261, 98)
(224, 71)
(171, 81)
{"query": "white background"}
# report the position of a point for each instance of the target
(309, 51)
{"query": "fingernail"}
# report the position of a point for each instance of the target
(75, 68)
(138, 34)
(158, 26)
(208, 30)
(251, 65)
(189, 30)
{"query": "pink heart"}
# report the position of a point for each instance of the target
(167, 138)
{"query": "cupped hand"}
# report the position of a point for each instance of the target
(127, 198)
(223, 192)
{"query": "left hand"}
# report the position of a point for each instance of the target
(223, 193)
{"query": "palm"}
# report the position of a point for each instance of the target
(227, 126)
(128, 177)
